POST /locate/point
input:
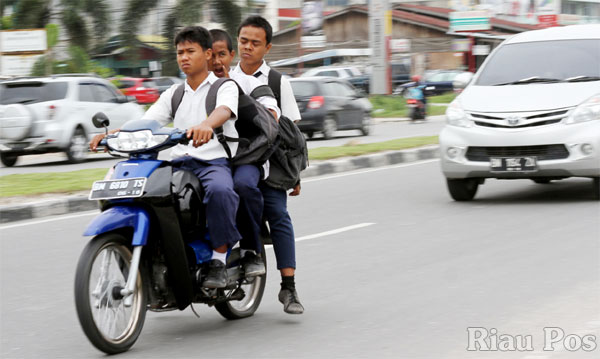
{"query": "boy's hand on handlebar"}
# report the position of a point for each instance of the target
(200, 134)
(99, 137)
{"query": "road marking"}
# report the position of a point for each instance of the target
(59, 218)
(358, 172)
(334, 231)
(316, 179)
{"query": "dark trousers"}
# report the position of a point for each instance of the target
(220, 199)
(280, 223)
(245, 183)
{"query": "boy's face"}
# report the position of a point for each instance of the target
(222, 58)
(191, 58)
(252, 45)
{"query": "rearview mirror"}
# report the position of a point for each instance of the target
(462, 80)
(100, 120)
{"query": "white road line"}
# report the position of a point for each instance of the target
(358, 172)
(328, 233)
(316, 179)
(58, 218)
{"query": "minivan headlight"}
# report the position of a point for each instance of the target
(456, 116)
(589, 110)
(136, 140)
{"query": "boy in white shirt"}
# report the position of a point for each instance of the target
(245, 177)
(204, 155)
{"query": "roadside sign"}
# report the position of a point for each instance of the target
(17, 65)
(461, 45)
(469, 20)
(481, 50)
(23, 41)
(548, 20)
(400, 45)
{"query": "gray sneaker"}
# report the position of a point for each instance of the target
(291, 302)
(253, 265)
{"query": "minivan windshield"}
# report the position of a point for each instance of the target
(543, 62)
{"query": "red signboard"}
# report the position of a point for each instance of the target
(548, 20)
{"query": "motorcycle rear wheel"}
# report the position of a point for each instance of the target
(102, 270)
(238, 309)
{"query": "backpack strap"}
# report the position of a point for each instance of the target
(274, 81)
(211, 103)
(176, 99)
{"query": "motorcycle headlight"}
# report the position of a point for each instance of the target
(589, 110)
(135, 141)
(456, 116)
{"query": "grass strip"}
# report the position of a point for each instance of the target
(325, 153)
(395, 106)
(51, 182)
(32, 184)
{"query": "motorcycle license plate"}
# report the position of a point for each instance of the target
(120, 188)
(513, 164)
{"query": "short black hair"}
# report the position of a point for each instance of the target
(196, 34)
(220, 35)
(257, 21)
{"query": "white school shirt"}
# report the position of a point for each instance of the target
(192, 111)
(248, 84)
(289, 107)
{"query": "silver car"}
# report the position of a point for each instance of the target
(53, 114)
(531, 111)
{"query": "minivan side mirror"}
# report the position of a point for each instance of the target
(100, 120)
(462, 80)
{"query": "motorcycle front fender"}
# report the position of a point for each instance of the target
(122, 217)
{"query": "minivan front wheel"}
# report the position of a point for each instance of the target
(462, 189)
(78, 146)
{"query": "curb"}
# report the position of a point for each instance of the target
(80, 203)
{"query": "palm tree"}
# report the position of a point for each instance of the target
(29, 14)
(187, 12)
(73, 18)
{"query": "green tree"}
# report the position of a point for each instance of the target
(30, 14)
(135, 12)
(74, 19)
(187, 12)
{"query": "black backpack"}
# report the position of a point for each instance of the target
(291, 156)
(257, 129)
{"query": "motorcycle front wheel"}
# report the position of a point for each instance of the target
(238, 309)
(102, 272)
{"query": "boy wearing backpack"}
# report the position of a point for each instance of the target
(254, 42)
(204, 155)
(246, 176)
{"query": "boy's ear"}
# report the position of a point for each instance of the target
(232, 53)
(208, 53)
(268, 47)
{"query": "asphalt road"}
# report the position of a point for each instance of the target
(384, 131)
(388, 267)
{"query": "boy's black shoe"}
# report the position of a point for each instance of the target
(217, 275)
(253, 265)
(291, 302)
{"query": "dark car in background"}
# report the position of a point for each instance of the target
(163, 83)
(329, 104)
(143, 89)
(436, 82)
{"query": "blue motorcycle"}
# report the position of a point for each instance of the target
(150, 248)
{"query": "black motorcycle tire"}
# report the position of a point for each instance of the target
(83, 300)
(229, 311)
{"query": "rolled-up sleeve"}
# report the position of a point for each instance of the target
(228, 96)
(289, 107)
(270, 103)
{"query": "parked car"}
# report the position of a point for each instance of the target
(163, 83)
(532, 111)
(144, 90)
(436, 82)
(328, 104)
(53, 114)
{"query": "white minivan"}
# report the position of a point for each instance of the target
(531, 111)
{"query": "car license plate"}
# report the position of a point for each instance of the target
(513, 164)
(120, 188)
